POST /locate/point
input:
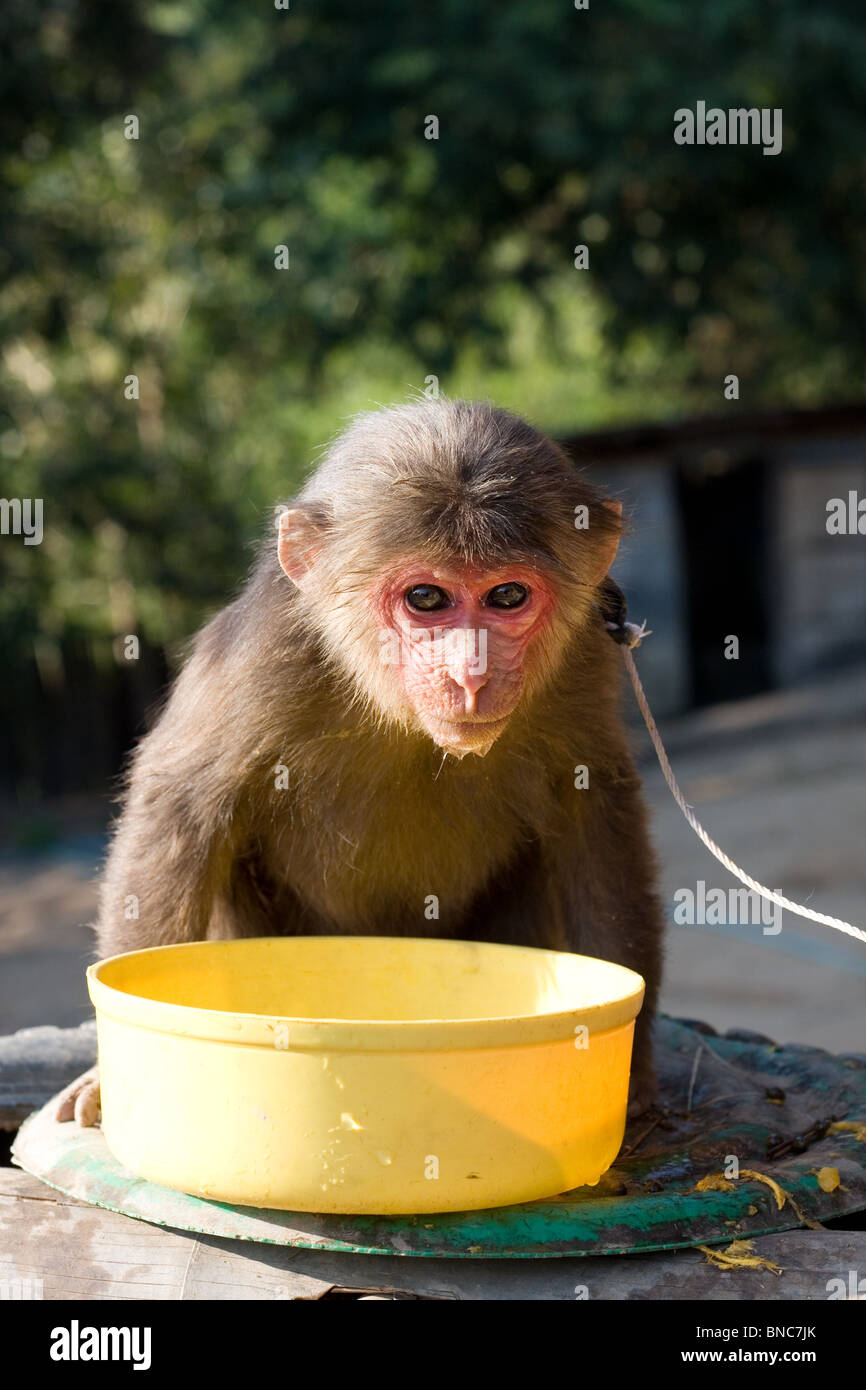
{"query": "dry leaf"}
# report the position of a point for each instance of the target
(782, 1197)
(714, 1182)
(828, 1178)
(855, 1127)
(774, 1187)
(739, 1255)
(717, 1182)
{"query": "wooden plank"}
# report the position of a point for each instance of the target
(82, 1252)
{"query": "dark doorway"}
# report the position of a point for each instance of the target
(723, 510)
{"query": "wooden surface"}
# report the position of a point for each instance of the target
(81, 1252)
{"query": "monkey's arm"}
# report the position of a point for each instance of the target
(171, 852)
(169, 857)
(183, 817)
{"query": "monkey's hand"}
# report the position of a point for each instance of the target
(80, 1100)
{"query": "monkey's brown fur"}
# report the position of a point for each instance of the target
(374, 819)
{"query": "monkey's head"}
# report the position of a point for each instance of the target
(447, 554)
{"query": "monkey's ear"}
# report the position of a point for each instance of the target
(299, 543)
(606, 548)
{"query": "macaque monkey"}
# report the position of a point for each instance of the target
(414, 700)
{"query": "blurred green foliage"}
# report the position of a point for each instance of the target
(408, 257)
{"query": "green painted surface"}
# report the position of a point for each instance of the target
(658, 1210)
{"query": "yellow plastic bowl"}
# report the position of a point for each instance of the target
(364, 1074)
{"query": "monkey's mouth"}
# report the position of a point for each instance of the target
(461, 736)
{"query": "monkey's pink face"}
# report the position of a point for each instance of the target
(460, 642)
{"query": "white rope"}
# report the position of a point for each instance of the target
(633, 638)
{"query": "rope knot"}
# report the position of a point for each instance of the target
(613, 611)
(629, 634)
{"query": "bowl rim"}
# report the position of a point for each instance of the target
(363, 1034)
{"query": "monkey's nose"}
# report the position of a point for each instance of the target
(470, 682)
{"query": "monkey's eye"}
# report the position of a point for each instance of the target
(426, 598)
(507, 596)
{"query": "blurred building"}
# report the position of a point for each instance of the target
(729, 536)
